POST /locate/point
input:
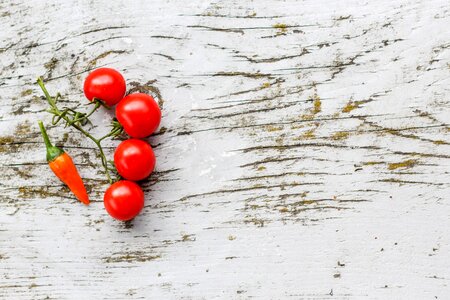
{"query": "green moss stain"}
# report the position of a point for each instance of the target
(23, 129)
(4, 143)
(371, 163)
(281, 27)
(6, 140)
(130, 257)
(255, 206)
(309, 134)
(271, 128)
(256, 75)
(280, 140)
(25, 93)
(283, 210)
(404, 164)
(351, 105)
(340, 135)
(255, 221)
(188, 238)
(316, 108)
(306, 202)
(307, 117)
(30, 192)
(317, 104)
(297, 126)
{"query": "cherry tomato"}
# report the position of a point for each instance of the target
(105, 84)
(124, 200)
(134, 159)
(139, 115)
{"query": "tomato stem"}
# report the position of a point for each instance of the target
(85, 117)
(75, 123)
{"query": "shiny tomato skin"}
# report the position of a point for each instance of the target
(134, 159)
(124, 200)
(105, 84)
(139, 115)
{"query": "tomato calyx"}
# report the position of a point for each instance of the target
(117, 127)
(96, 100)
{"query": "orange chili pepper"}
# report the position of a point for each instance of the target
(64, 168)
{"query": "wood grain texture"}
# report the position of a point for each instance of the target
(303, 153)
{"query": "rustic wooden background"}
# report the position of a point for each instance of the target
(303, 153)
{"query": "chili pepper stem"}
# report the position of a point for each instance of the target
(52, 151)
(47, 142)
(62, 115)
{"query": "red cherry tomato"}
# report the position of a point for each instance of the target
(124, 200)
(139, 115)
(105, 84)
(134, 159)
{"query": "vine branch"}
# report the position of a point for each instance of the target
(76, 120)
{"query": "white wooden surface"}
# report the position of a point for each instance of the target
(304, 154)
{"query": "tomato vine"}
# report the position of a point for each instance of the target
(77, 120)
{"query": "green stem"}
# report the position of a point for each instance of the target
(47, 142)
(47, 95)
(61, 115)
(52, 151)
(78, 120)
(97, 105)
(104, 160)
(113, 132)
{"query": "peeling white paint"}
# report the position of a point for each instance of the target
(305, 152)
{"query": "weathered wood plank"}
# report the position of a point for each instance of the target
(304, 150)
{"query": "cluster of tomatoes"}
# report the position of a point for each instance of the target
(139, 115)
